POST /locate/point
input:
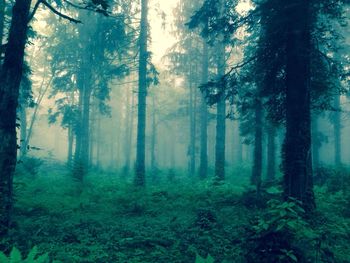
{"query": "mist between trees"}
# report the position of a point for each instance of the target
(237, 110)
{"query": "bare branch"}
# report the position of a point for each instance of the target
(59, 13)
(37, 4)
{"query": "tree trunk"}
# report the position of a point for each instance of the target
(297, 146)
(129, 118)
(78, 142)
(2, 21)
(316, 144)
(153, 142)
(271, 153)
(98, 141)
(23, 130)
(10, 79)
(220, 120)
(337, 131)
(193, 127)
(35, 113)
(70, 145)
(140, 173)
(257, 157)
(203, 166)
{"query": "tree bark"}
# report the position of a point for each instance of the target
(297, 146)
(10, 79)
(129, 120)
(140, 173)
(257, 161)
(153, 142)
(203, 166)
(220, 120)
(193, 126)
(70, 145)
(2, 21)
(271, 153)
(316, 144)
(23, 130)
(337, 131)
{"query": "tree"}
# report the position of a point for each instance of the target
(10, 79)
(220, 121)
(271, 152)
(2, 20)
(203, 165)
(140, 170)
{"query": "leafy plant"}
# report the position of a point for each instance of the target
(16, 257)
(282, 234)
(208, 259)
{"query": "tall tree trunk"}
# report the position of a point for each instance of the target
(129, 120)
(297, 146)
(316, 144)
(140, 172)
(41, 96)
(193, 124)
(70, 145)
(271, 153)
(98, 140)
(337, 131)
(153, 141)
(2, 21)
(239, 145)
(78, 142)
(92, 138)
(203, 166)
(84, 82)
(23, 130)
(220, 120)
(257, 157)
(85, 136)
(10, 79)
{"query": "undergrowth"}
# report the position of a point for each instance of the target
(182, 221)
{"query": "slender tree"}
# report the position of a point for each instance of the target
(140, 173)
(258, 144)
(203, 165)
(337, 130)
(2, 21)
(271, 152)
(221, 119)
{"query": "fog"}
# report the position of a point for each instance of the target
(174, 131)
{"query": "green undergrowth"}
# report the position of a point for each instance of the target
(183, 220)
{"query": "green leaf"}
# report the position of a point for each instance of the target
(15, 256)
(293, 257)
(43, 258)
(32, 254)
(273, 190)
(3, 258)
(200, 259)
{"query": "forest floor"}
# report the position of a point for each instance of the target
(179, 221)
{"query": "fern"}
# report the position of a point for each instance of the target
(200, 259)
(33, 257)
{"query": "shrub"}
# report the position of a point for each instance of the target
(33, 257)
(281, 234)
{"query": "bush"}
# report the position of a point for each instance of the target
(281, 234)
(33, 257)
(29, 165)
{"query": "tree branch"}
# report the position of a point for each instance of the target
(59, 13)
(37, 4)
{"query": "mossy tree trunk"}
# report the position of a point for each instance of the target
(10, 79)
